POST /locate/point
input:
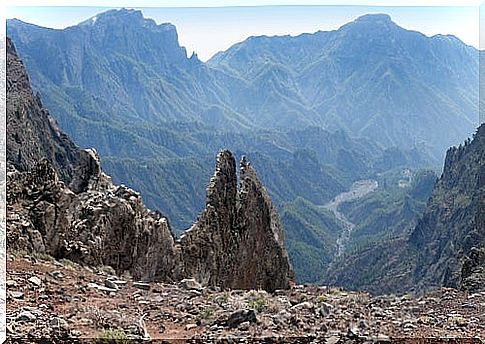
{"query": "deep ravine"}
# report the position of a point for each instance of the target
(358, 190)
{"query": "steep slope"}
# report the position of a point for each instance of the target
(451, 229)
(116, 69)
(446, 248)
(311, 234)
(122, 84)
(32, 132)
(92, 221)
(362, 77)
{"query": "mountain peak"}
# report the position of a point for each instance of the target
(119, 16)
(371, 20)
(375, 18)
(372, 26)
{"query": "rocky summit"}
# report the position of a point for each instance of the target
(236, 243)
(238, 240)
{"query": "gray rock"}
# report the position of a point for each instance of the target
(35, 281)
(241, 316)
(244, 326)
(120, 283)
(189, 327)
(11, 283)
(332, 339)
(16, 294)
(190, 284)
(142, 285)
(110, 284)
(303, 305)
(102, 288)
(324, 310)
(57, 322)
(26, 316)
(56, 274)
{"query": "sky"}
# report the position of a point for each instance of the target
(207, 30)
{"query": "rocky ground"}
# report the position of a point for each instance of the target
(62, 300)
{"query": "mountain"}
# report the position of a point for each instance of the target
(97, 223)
(115, 76)
(451, 231)
(445, 248)
(362, 77)
(122, 83)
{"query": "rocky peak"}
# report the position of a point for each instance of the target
(237, 241)
(126, 18)
(69, 208)
(88, 174)
(223, 184)
(62, 204)
(370, 24)
(377, 18)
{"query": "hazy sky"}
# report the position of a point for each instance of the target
(207, 30)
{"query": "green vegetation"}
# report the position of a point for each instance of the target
(222, 299)
(311, 124)
(310, 236)
(204, 314)
(258, 303)
(391, 211)
(112, 336)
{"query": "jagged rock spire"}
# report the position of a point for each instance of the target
(238, 240)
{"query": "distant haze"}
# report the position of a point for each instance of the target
(206, 31)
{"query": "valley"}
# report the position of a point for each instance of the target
(320, 188)
(157, 116)
(358, 190)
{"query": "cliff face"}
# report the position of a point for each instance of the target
(237, 242)
(32, 132)
(60, 202)
(451, 235)
(102, 225)
(446, 247)
(91, 221)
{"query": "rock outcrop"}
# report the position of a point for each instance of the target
(237, 241)
(103, 225)
(59, 202)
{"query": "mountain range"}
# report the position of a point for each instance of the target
(315, 112)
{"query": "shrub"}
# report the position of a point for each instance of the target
(112, 336)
